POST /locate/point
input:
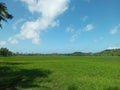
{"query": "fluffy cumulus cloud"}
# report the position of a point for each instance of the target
(115, 30)
(89, 27)
(48, 11)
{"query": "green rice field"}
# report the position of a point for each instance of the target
(60, 73)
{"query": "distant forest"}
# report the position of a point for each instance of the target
(108, 52)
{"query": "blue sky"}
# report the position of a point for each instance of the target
(61, 26)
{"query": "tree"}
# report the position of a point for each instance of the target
(5, 52)
(4, 15)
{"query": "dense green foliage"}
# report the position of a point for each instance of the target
(5, 52)
(60, 73)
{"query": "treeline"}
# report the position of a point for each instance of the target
(5, 52)
(110, 52)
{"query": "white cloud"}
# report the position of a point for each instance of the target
(115, 30)
(84, 18)
(17, 22)
(73, 37)
(55, 23)
(70, 29)
(49, 10)
(115, 47)
(2, 43)
(89, 27)
(13, 41)
(74, 33)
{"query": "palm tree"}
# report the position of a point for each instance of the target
(4, 15)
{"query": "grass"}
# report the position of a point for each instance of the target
(60, 73)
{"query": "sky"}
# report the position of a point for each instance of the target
(61, 26)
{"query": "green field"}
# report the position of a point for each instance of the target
(60, 73)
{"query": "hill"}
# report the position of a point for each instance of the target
(110, 52)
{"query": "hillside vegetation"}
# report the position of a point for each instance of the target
(112, 52)
(108, 52)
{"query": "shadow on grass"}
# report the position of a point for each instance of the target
(13, 64)
(72, 87)
(112, 88)
(13, 77)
